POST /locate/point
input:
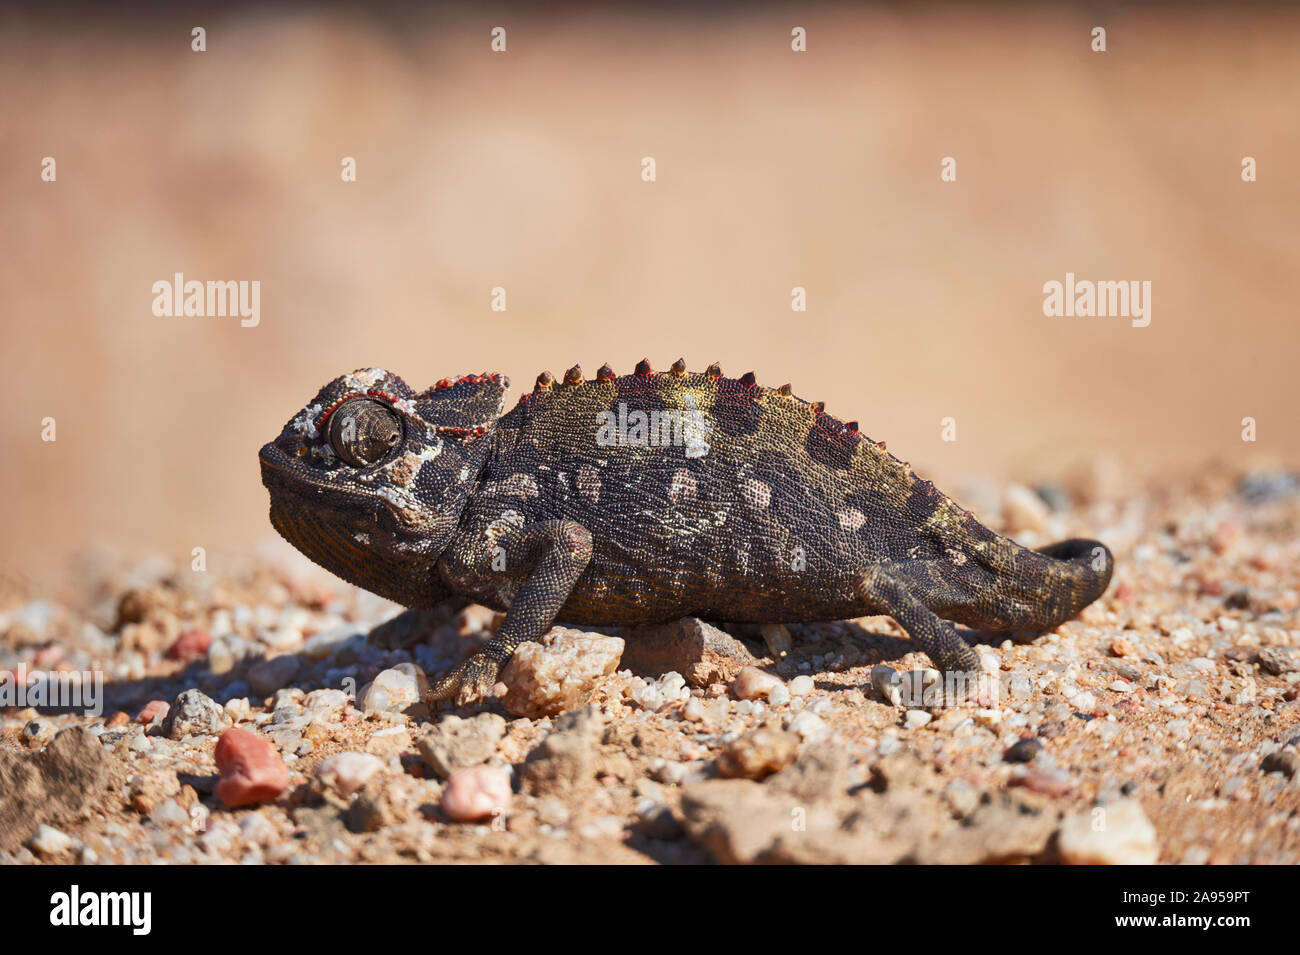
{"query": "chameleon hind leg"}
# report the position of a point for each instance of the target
(889, 592)
(550, 557)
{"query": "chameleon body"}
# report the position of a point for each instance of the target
(642, 498)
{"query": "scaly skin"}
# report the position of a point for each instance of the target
(750, 505)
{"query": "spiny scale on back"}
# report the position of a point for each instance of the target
(641, 498)
(751, 421)
(674, 386)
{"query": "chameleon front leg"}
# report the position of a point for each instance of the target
(888, 592)
(552, 556)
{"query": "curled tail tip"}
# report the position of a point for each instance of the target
(1102, 562)
(1089, 555)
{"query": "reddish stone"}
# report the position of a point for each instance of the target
(476, 794)
(47, 657)
(1210, 588)
(190, 645)
(251, 769)
(117, 719)
(1055, 784)
(152, 709)
(1224, 537)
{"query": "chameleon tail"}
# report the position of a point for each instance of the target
(1079, 573)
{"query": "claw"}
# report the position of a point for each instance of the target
(961, 682)
(469, 683)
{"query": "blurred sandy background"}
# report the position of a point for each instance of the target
(522, 170)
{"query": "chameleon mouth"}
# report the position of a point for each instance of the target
(328, 546)
(286, 479)
(351, 553)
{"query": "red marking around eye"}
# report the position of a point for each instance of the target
(372, 393)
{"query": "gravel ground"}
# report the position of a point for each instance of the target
(1159, 726)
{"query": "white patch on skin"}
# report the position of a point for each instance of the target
(305, 423)
(682, 486)
(509, 520)
(396, 495)
(851, 519)
(402, 499)
(464, 473)
(589, 484)
(406, 406)
(957, 557)
(361, 538)
(366, 378)
(756, 493)
(431, 451)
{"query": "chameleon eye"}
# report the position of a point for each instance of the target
(362, 431)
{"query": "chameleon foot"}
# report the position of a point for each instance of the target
(470, 682)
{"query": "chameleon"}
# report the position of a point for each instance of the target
(639, 499)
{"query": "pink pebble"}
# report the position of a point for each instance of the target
(152, 709)
(190, 645)
(251, 768)
(475, 794)
(1056, 783)
(47, 658)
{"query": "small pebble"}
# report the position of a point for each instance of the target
(888, 683)
(193, 714)
(190, 646)
(802, 685)
(1023, 750)
(250, 767)
(1084, 702)
(759, 754)
(1115, 834)
(345, 773)
(48, 841)
(394, 690)
(1279, 660)
(751, 683)
(777, 638)
(810, 726)
(476, 794)
(915, 719)
(151, 711)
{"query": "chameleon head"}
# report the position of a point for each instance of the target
(369, 479)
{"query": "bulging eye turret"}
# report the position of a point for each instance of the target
(362, 431)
